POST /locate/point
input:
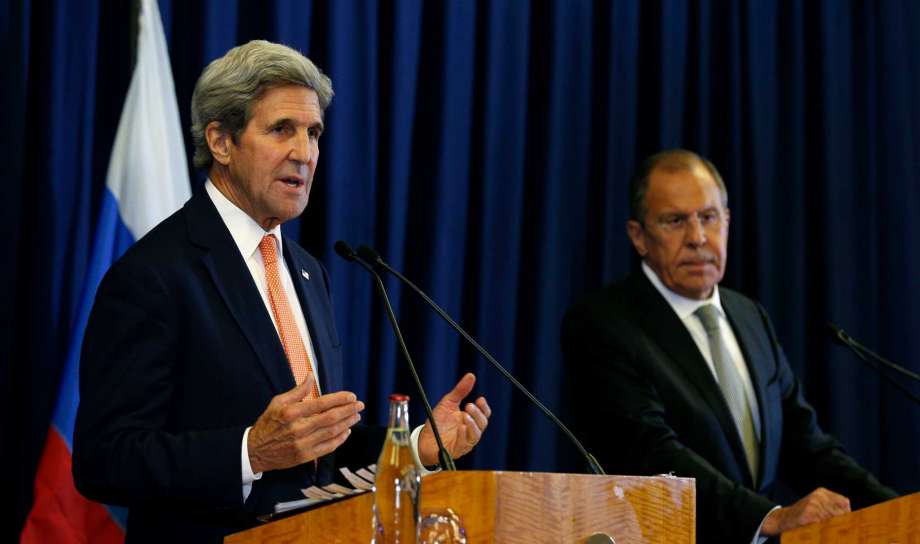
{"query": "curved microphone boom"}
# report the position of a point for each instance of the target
(372, 256)
(346, 252)
(873, 359)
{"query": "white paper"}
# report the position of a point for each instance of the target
(355, 480)
(318, 495)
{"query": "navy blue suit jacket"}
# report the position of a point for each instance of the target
(179, 357)
(632, 364)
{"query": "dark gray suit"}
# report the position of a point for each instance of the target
(632, 365)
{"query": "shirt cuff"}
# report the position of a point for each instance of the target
(247, 475)
(413, 440)
(761, 539)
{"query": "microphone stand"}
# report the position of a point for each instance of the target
(873, 359)
(372, 256)
(345, 251)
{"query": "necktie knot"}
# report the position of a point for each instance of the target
(268, 249)
(709, 316)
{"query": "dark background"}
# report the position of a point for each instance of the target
(484, 148)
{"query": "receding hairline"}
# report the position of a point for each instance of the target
(265, 89)
(669, 161)
(678, 163)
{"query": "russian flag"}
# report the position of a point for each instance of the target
(147, 180)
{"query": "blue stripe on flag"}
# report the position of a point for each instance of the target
(111, 240)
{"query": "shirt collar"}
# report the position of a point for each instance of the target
(246, 233)
(682, 306)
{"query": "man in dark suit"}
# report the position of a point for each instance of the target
(211, 371)
(689, 377)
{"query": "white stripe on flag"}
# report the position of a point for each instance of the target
(148, 172)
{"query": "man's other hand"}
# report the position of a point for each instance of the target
(295, 429)
(460, 429)
(819, 505)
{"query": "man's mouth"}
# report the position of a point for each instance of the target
(292, 181)
(699, 261)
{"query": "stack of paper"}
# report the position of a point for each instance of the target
(359, 481)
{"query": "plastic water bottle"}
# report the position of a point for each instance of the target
(397, 484)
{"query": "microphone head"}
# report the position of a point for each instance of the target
(368, 254)
(344, 250)
(836, 333)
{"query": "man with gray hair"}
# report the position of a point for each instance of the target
(690, 378)
(211, 371)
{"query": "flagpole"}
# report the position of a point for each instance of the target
(135, 27)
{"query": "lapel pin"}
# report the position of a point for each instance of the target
(305, 274)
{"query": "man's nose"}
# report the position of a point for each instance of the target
(302, 149)
(695, 234)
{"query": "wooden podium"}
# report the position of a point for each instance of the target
(897, 520)
(517, 507)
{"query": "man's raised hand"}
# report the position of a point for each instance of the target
(295, 429)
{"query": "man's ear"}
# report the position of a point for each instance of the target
(219, 142)
(637, 236)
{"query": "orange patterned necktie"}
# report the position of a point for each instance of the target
(287, 326)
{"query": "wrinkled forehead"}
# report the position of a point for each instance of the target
(297, 103)
(684, 188)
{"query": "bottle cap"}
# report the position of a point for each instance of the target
(396, 397)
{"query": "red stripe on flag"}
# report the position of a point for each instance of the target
(60, 513)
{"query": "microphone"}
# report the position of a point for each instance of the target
(346, 252)
(873, 359)
(372, 256)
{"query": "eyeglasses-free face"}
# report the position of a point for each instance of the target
(684, 234)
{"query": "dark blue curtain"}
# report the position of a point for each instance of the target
(484, 147)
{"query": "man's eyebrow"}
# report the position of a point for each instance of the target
(288, 121)
(673, 212)
(280, 122)
(682, 212)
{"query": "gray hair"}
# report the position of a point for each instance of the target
(229, 87)
(670, 160)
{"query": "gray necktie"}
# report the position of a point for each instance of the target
(730, 383)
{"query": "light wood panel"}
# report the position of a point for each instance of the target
(518, 507)
(894, 521)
